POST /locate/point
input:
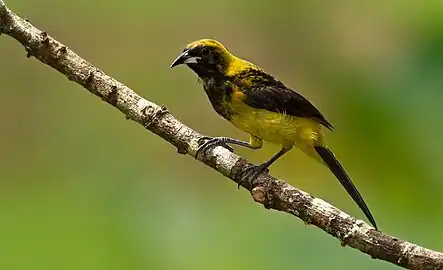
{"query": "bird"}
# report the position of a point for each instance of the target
(261, 105)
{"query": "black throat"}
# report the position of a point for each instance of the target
(206, 70)
(217, 87)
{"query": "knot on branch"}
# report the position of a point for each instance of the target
(89, 78)
(152, 115)
(29, 51)
(44, 38)
(61, 52)
(259, 194)
(112, 97)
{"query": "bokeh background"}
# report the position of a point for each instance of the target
(82, 188)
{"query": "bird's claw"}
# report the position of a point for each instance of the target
(202, 140)
(252, 172)
(207, 142)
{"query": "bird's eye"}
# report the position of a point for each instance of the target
(205, 51)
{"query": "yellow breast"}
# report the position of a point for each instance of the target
(275, 127)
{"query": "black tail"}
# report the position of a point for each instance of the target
(336, 168)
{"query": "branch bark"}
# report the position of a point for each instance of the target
(269, 191)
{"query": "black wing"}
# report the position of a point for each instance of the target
(278, 98)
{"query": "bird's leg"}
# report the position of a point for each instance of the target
(208, 142)
(252, 172)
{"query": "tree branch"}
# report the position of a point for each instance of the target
(269, 191)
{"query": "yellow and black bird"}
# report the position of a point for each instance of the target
(261, 105)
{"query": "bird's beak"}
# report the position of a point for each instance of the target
(185, 58)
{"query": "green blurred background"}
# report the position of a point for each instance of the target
(82, 188)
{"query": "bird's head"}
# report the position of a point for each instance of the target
(207, 57)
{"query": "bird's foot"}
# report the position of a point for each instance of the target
(252, 172)
(207, 142)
